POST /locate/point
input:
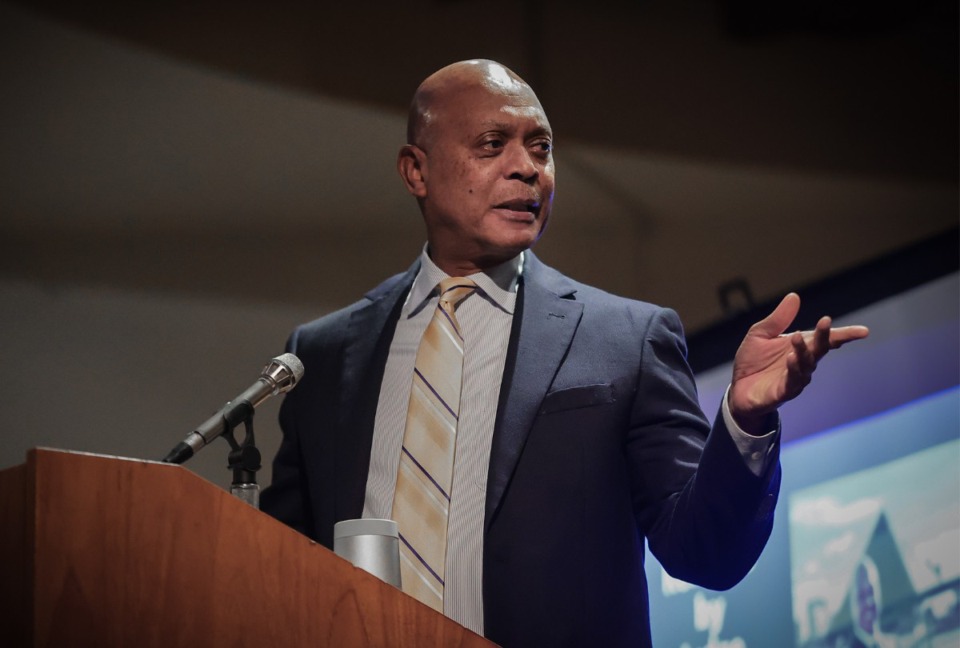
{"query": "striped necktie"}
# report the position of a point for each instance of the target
(422, 498)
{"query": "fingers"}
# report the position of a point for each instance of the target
(810, 346)
(821, 337)
(844, 334)
(805, 355)
(777, 322)
(824, 337)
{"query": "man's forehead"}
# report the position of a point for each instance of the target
(482, 102)
(485, 90)
(509, 117)
(476, 94)
(506, 117)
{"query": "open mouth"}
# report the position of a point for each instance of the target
(521, 205)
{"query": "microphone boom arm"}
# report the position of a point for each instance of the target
(279, 376)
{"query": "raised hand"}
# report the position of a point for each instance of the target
(771, 367)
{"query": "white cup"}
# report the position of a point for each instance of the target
(370, 544)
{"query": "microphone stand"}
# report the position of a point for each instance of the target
(279, 376)
(244, 457)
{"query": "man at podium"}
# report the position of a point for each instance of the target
(527, 431)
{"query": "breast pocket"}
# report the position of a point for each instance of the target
(578, 397)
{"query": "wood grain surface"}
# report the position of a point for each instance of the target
(135, 553)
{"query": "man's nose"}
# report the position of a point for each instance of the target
(520, 165)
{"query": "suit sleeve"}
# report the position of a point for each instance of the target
(706, 516)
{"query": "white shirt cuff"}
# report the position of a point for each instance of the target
(755, 450)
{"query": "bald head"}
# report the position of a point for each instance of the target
(479, 161)
(441, 90)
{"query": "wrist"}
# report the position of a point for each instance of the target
(755, 421)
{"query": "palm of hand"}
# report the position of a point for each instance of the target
(771, 368)
(765, 374)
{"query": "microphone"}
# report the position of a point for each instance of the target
(279, 376)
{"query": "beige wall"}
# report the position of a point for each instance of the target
(164, 225)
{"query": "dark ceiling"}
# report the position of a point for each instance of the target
(857, 87)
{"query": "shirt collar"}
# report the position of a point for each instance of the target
(498, 284)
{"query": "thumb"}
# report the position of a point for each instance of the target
(777, 322)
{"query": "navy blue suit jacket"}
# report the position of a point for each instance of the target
(599, 442)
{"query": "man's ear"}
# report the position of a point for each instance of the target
(411, 164)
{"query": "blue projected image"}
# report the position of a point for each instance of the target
(865, 549)
(875, 555)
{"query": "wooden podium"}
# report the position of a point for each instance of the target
(102, 551)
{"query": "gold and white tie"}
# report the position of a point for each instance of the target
(422, 498)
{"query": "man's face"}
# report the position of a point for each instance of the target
(488, 174)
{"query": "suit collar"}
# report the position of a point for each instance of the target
(544, 324)
(497, 284)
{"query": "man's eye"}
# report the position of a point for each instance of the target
(493, 144)
(543, 147)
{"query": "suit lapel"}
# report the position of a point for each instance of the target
(543, 328)
(364, 357)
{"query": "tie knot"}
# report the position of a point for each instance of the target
(454, 290)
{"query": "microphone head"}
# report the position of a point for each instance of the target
(283, 372)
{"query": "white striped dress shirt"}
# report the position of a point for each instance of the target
(485, 318)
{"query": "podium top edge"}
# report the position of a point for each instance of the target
(40, 450)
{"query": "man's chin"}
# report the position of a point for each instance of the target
(525, 237)
(513, 246)
(503, 251)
